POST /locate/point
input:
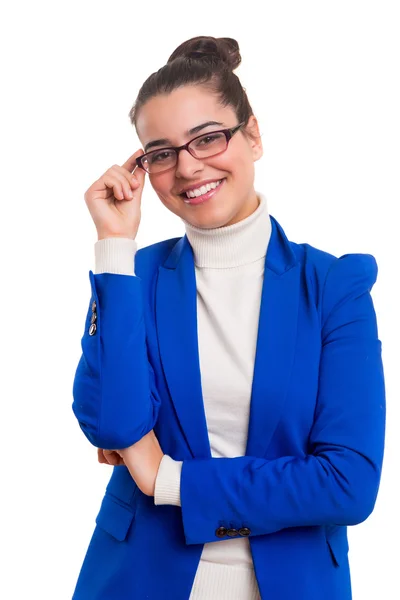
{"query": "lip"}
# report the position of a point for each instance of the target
(199, 184)
(203, 198)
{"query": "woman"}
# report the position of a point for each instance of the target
(234, 378)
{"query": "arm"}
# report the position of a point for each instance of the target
(115, 397)
(337, 481)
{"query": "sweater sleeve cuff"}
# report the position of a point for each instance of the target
(168, 482)
(115, 255)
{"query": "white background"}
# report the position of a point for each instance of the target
(323, 80)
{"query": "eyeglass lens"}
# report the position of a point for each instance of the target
(201, 147)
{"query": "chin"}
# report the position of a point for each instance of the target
(210, 221)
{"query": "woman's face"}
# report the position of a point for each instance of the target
(170, 117)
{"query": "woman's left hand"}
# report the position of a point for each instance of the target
(142, 460)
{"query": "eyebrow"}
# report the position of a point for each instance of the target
(166, 142)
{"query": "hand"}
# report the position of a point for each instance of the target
(142, 460)
(109, 457)
(114, 200)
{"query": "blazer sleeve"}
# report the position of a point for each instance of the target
(115, 397)
(337, 481)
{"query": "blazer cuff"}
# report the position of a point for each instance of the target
(168, 482)
(115, 255)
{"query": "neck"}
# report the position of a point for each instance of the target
(248, 209)
(238, 243)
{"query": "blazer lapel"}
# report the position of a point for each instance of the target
(277, 331)
(176, 321)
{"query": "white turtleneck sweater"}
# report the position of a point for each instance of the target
(229, 266)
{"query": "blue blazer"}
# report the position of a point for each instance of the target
(316, 431)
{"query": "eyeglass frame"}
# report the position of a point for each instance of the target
(228, 132)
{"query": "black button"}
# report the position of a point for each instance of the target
(245, 531)
(221, 532)
(93, 305)
(92, 329)
(232, 532)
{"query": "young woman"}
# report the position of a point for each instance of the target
(231, 376)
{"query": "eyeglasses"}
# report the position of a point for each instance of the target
(202, 146)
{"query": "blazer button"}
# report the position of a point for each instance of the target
(221, 532)
(245, 531)
(92, 329)
(232, 532)
(93, 317)
(93, 305)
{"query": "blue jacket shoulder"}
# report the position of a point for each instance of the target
(332, 278)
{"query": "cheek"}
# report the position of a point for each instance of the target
(222, 164)
(162, 183)
(237, 162)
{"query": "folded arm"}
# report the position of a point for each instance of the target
(337, 481)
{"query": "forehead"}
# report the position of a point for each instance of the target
(171, 115)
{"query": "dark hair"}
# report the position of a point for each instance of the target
(205, 61)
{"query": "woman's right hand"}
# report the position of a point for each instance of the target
(114, 200)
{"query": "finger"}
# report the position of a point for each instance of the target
(124, 178)
(115, 184)
(130, 164)
(100, 456)
(107, 193)
(112, 457)
(105, 187)
(132, 180)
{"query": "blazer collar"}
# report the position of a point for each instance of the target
(280, 256)
(176, 322)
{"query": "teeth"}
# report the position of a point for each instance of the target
(203, 190)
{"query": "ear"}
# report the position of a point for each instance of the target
(254, 138)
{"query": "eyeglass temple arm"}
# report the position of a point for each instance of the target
(137, 166)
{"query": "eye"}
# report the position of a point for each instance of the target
(157, 157)
(211, 138)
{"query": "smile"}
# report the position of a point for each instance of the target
(202, 194)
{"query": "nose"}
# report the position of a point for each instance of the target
(187, 165)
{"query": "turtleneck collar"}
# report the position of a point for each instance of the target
(233, 245)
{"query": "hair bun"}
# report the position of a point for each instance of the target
(210, 49)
